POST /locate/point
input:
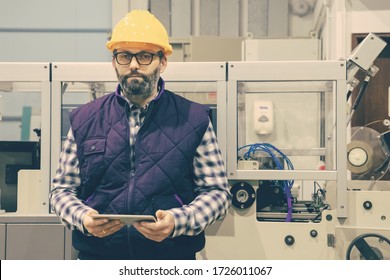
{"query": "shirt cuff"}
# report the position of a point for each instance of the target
(79, 217)
(181, 220)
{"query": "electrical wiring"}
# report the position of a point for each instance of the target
(274, 153)
(318, 191)
(320, 213)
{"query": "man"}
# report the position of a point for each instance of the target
(140, 150)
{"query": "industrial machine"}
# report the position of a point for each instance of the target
(305, 184)
(24, 111)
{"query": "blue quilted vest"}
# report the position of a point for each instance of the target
(162, 178)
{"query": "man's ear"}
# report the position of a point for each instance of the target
(113, 62)
(163, 63)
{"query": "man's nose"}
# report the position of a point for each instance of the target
(133, 63)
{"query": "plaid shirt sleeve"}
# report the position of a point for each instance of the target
(213, 197)
(63, 198)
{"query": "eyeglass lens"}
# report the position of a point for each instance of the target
(143, 58)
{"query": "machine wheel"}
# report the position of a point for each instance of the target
(367, 252)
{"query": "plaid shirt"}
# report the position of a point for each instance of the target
(211, 203)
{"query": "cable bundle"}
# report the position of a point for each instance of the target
(274, 153)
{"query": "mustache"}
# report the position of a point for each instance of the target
(134, 74)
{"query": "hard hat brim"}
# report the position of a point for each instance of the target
(139, 45)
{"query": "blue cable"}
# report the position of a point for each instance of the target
(270, 150)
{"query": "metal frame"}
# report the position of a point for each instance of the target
(205, 72)
(175, 72)
(35, 72)
(291, 71)
(71, 71)
(239, 228)
(194, 71)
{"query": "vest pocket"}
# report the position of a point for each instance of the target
(94, 146)
(93, 155)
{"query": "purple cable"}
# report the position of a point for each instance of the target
(289, 203)
(179, 200)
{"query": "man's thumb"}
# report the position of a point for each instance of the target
(160, 214)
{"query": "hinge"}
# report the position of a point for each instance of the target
(331, 240)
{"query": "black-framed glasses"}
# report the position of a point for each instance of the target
(143, 58)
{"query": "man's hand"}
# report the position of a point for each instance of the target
(159, 230)
(100, 227)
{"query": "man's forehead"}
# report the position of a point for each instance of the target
(131, 50)
(137, 47)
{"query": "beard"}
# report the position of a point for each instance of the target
(143, 86)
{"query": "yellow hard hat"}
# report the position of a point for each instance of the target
(138, 28)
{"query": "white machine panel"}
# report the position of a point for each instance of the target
(281, 49)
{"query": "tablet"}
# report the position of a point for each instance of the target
(127, 219)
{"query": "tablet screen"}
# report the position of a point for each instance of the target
(127, 219)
